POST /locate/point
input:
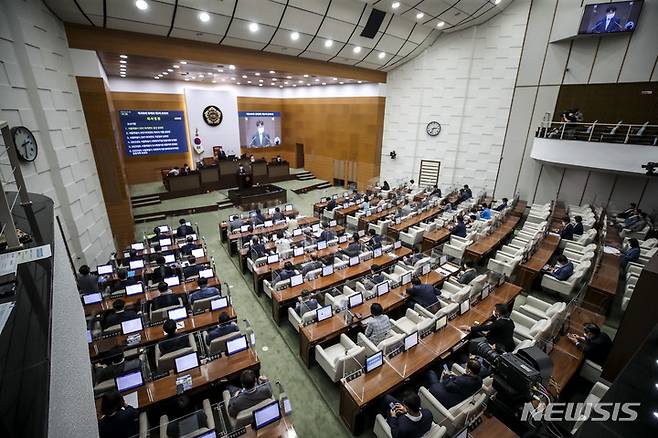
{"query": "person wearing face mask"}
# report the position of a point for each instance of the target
(563, 268)
(608, 23)
(595, 344)
(499, 331)
(261, 138)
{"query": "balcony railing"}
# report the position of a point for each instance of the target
(644, 134)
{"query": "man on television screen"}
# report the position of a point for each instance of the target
(608, 23)
(260, 138)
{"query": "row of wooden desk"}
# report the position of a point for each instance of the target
(602, 287)
(357, 394)
(529, 269)
(395, 229)
(477, 250)
(235, 238)
(223, 226)
(283, 299)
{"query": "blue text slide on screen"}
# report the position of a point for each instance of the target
(153, 132)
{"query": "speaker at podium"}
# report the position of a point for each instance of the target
(245, 178)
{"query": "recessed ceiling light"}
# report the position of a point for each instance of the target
(274, 79)
(324, 83)
(341, 82)
(249, 82)
(288, 77)
(187, 79)
(419, 15)
(300, 81)
(294, 36)
(335, 79)
(285, 82)
(233, 78)
(395, 5)
(328, 43)
(159, 76)
(155, 77)
(214, 82)
(357, 49)
(496, 2)
(381, 55)
(272, 72)
(305, 76)
(308, 85)
(165, 73)
(203, 16)
(122, 75)
(260, 80)
(359, 82)
(122, 61)
(257, 74)
(280, 86)
(260, 85)
(201, 75)
(294, 85)
(231, 67)
(317, 80)
(273, 84)
(123, 56)
(142, 5)
(238, 83)
(183, 62)
(244, 76)
(170, 70)
(220, 70)
(176, 66)
(440, 24)
(253, 27)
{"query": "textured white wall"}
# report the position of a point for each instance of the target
(465, 81)
(38, 90)
(227, 133)
(544, 67)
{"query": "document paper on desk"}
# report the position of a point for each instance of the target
(32, 254)
(132, 399)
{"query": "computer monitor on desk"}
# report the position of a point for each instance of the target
(139, 246)
(236, 345)
(219, 303)
(130, 380)
(135, 289)
(187, 362)
(266, 415)
(323, 313)
(93, 298)
(327, 270)
(322, 244)
(172, 281)
(131, 326)
(104, 269)
(165, 242)
(206, 273)
(136, 264)
(375, 361)
(382, 288)
(198, 253)
(355, 300)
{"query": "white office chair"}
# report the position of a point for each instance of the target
(340, 359)
(383, 430)
(596, 394)
(453, 419)
(391, 343)
(412, 236)
(297, 321)
(455, 292)
(504, 264)
(210, 423)
(456, 247)
(566, 287)
(411, 322)
(526, 327)
(538, 309)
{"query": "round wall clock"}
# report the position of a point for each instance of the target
(26, 144)
(433, 128)
(212, 115)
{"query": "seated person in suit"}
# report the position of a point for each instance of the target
(306, 303)
(423, 294)
(563, 268)
(639, 222)
(278, 216)
(503, 205)
(451, 389)
(183, 229)
(578, 227)
(356, 196)
(119, 315)
(116, 364)
(595, 344)
(204, 291)
(375, 241)
(467, 192)
(499, 331)
(406, 418)
(315, 263)
(282, 243)
(132, 256)
(485, 212)
(186, 416)
(632, 254)
(257, 249)
(173, 341)
(259, 218)
(157, 235)
(285, 273)
(118, 420)
(225, 327)
(436, 191)
(459, 229)
(411, 260)
(192, 269)
(327, 235)
(376, 277)
(166, 298)
(331, 204)
(567, 229)
(628, 212)
(235, 223)
(468, 273)
(87, 282)
(221, 154)
(161, 271)
(379, 326)
(386, 186)
(354, 248)
(250, 394)
(123, 280)
(189, 246)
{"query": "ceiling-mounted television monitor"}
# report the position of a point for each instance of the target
(615, 17)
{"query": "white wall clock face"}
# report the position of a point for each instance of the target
(433, 129)
(26, 144)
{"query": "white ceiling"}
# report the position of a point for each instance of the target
(401, 36)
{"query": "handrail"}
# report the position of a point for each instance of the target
(644, 134)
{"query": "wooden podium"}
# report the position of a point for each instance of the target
(245, 180)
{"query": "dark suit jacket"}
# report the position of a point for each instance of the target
(459, 229)
(176, 342)
(258, 249)
(123, 424)
(403, 427)
(118, 318)
(161, 272)
(501, 207)
(258, 219)
(121, 284)
(278, 216)
(111, 371)
(453, 390)
(375, 242)
(597, 348)
(500, 332)
(187, 248)
(331, 204)
(191, 270)
(423, 294)
(564, 272)
(221, 330)
(247, 399)
(578, 229)
(468, 276)
(326, 235)
(88, 283)
(164, 300)
(353, 249)
(614, 26)
(184, 230)
(567, 232)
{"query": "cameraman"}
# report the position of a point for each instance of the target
(499, 331)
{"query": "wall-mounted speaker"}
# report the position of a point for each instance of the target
(373, 24)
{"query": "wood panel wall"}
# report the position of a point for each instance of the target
(337, 133)
(103, 128)
(633, 102)
(147, 168)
